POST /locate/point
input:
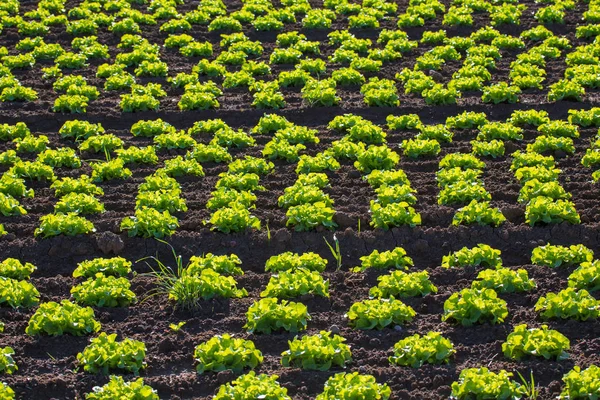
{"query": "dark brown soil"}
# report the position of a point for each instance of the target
(47, 365)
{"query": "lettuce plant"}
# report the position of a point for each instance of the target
(566, 90)
(376, 158)
(500, 131)
(320, 93)
(9, 158)
(79, 130)
(105, 353)
(6, 392)
(297, 134)
(366, 132)
(11, 132)
(179, 166)
(436, 132)
(148, 222)
(440, 95)
(300, 194)
(379, 313)
(534, 188)
(541, 173)
(7, 363)
(116, 266)
(492, 148)
(415, 148)
(392, 259)
(69, 103)
(394, 214)
(353, 385)
(101, 143)
(538, 342)
(547, 210)
(18, 293)
(31, 144)
(225, 264)
(585, 118)
(83, 185)
(317, 352)
(268, 315)
(56, 319)
(289, 261)
(109, 170)
(250, 165)
(242, 182)
(151, 128)
(586, 276)
(401, 284)
(174, 140)
(481, 383)
(345, 149)
(252, 386)
(189, 288)
(138, 155)
(282, 149)
(235, 217)
(581, 384)
(568, 303)
(294, 78)
(471, 306)
(404, 122)
(545, 143)
(379, 178)
(117, 388)
(417, 350)
(380, 92)
(209, 153)
(68, 224)
(78, 203)
(139, 102)
(308, 216)
(62, 157)
(467, 120)
(478, 212)
(230, 138)
(449, 176)
(9, 206)
(223, 352)
(104, 291)
(481, 255)
(559, 128)
(296, 282)
(32, 170)
(318, 163)
(223, 197)
(555, 255)
(461, 160)
(15, 269)
(12, 186)
(504, 280)
(529, 117)
(500, 93)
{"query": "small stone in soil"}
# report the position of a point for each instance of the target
(109, 242)
(225, 376)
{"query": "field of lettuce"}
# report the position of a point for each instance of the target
(299, 199)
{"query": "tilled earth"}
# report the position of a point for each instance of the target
(47, 365)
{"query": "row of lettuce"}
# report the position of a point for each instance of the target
(306, 203)
(105, 284)
(353, 60)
